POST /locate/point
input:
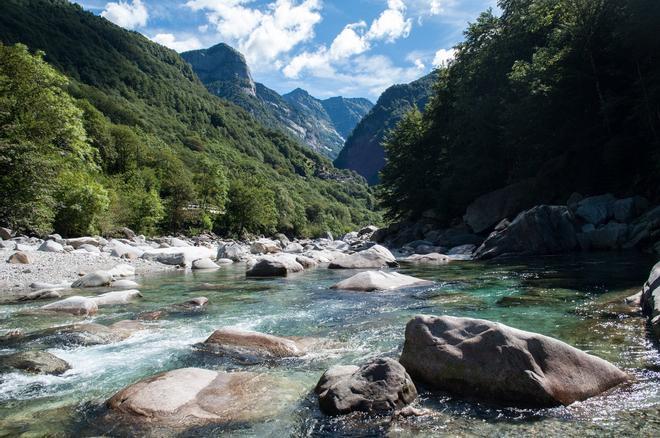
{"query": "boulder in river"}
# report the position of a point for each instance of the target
(380, 385)
(204, 263)
(42, 294)
(187, 308)
(542, 230)
(264, 246)
(117, 297)
(19, 258)
(36, 362)
(188, 397)
(373, 258)
(433, 258)
(274, 266)
(233, 251)
(491, 361)
(124, 284)
(379, 280)
(596, 210)
(245, 344)
(93, 279)
(75, 305)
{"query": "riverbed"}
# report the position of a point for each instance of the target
(577, 299)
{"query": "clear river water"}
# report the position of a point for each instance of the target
(577, 299)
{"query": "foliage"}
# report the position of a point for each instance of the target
(81, 202)
(565, 92)
(251, 207)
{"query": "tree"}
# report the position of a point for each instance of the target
(251, 207)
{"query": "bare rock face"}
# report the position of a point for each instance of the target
(379, 280)
(250, 345)
(373, 258)
(494, 362)
(380, 385)
(189, 397)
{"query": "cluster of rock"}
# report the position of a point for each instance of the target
(649, 300)
(505, 222)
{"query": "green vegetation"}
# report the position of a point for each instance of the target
(109, 129)
(563, 91)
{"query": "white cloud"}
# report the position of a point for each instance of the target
(349, 42)
(262, 35)
(169, 40)
(443, 57)
(391, 24)
(125, 14)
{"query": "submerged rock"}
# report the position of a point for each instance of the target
(379, 280)
(74, 335)
(75, 305)
(248, 344)
(380, 385)
(37, 362)
(192, 396)
(373, 258)
(43, 294)
(190, 307)
(494, 362)
(124, 284)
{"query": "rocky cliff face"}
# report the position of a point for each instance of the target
(322, 125)
(363, 151)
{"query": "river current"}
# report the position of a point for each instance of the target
(577, 299)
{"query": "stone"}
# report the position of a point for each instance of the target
(89, 248)
(433, 258)
(489, 209)
(595, 209)
(293, 247)
(187, 397)
(19, 258)
(122, 270)
(381, 385)
(650, 299)
(271, 266)
(80, 241)
(178, 243)
(607, 237)
(205, 263)
(644, 230)
(264, 246)
(190, 307)
(627, 209)
(306, 262)
(36, 362)
(634, 300)
(462, 250)
(542, 230)
(496, 363)
(43, 294)
(116, 297)
(373, 258)
(282, 239)
(5, 233)
(379, 280)
(249, 344)
(93, 279)
(120, 249)
(86, 334)
(367, 231)
(124, 284)
(51, 246)
(75, 305)
(233, 251)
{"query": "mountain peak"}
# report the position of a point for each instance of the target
(221, 63)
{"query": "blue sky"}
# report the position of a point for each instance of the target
(351, 48)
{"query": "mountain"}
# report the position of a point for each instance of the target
(155, 130)
(322, 125)
(363, 152)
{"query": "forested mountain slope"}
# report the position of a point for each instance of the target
(563, 92)
(160, 152)
(322, 125)
(363, 151)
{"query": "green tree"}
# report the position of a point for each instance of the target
(81, 203)
(251, 207)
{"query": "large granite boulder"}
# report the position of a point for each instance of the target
(489, 209)
(380, 385)
(74, 335)
(264, 246)
(117, 297)
(232, 251)
(189, 397)
(596, 210)
(274, 266)
(204, 263)
(607, 237)
(19, 258)
(93, 279)
(75, 305)
(373, 258)
(379, 280)
(250, 345)
(36, 362)
(544, 229)
(41, 294)
(51, 246)
(494, 362)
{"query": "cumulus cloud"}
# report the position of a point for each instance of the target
(183, 45)
(262, 35)
(443, 57)
(125, 14)
(391, 24)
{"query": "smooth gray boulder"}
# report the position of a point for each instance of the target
(607, 237)
(243, 343)
(293, 247)
(596, 209)
(42, 294)
(36, 362)
(117, 297)
(373, 258)
(19, 258)
(379, 280)
(381, 385)
(80, 241)
(542, 230)
(274, 266)
(493, 362)
(124, 284)
(433, 258)
(264, 246)
(51, 246)
(93, 279)
(204, 263)
(75, 305)
(233, 251)
(627, 209)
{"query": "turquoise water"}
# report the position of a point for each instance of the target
(576, 299)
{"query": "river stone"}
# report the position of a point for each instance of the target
(542, 230)
(192, 306)
(189, 397)
(93, 279)
(117, 297)
(51, 246)
(489, 209)
(596, 209)
(373, 258)
(494, 362)
(433, 258)
(5, 233)
(380, 385)
(75, 305)
(124, 284)
(264, 246)
(650, 299)
(19, 258)
(233, 251)
(379, 280)
(36, 362)
(43, 294)
(204, 263)
(367, 231)
(274, 266)
(79, 241)
(249, 344)
(122, 270)
(293, 247)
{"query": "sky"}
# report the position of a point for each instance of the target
(351, 48)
